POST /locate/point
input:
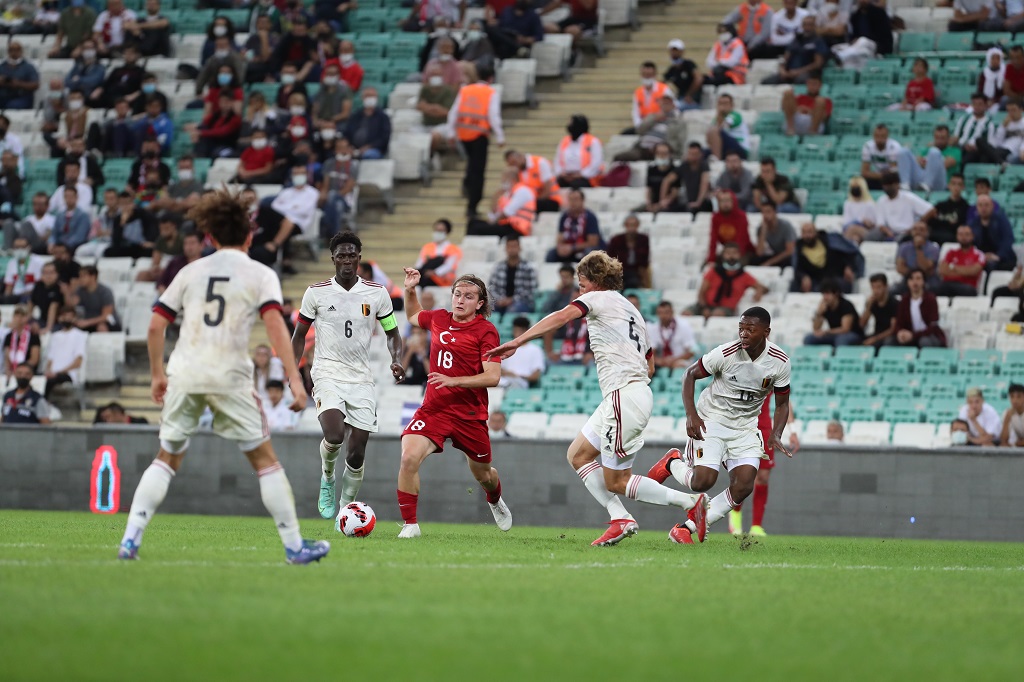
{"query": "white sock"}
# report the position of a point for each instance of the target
(351, 480)
(682, 473)
(650, 491)
(593, 479)
(329, 455)
(151, 492)
(721, 504)
(279, 501)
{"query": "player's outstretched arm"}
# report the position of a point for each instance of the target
(779, 422)
(277, 332)
(550, 323)
(412, 301)
(489, 378)
(694, 424)
(155, 344)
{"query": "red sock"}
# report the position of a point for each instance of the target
(760, 500)
(407, 505)
(494, 495)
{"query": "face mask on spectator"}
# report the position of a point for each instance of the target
(298, 131)
(259, 142)
(731, 265)
(185, 174)
(370, 102)
(661, 163)
(347, 58)
(328, 133)
(299, 180)
(21, 254)
(343, 157)
(221, 54)
(23, 382)
(956, 438)
(330, 81)
(88, 55)
(473, 34)
(223, 79)
(287, 78)
(440, 236)
(724, 37)
(220, 30)
(148, 88)
(648, 82)
(297, 111)
(444, 57)
(75, 104)
(436, 81)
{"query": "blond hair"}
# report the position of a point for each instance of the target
(865, 195)
(601, 269)
(485, 309)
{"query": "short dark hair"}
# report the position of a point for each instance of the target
(484, 72)
(346, 237)
(759, 314)
(695, 145)
(447, 224)
(957, 175)
(814, 74)
(768, 161)
(90, 270)
(567, 268)
(664, 304)
(731, 152)
(979, 95)
(830, 286)
(941, 126)
(275, 383)
(880, 278)
(730, 245)
(958, 420)
(364, 266)
(71, 188)
(890, 178)
(768, 201)
(917, 271)
(1015, 388)
(649, 65)
(521, 321)
(922, 61)
(882, 126)
(983, 181)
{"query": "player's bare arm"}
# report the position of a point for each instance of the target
(397, 350)
(277, 332)
(694, 424)
(155, 344)
(779, 422)
(550, 323)
(299, 337)
(489, 378)
(412, 301)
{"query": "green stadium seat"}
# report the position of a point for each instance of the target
(987, 39)
(895, 359)
(853, 358)
(195, 21)
(523, 400)
(839, 77)
(937, 361)
(808, 150)
(117, 171)
(905, 411)
(855, 385)
(898, 121)
(810, 358)
(980, 361)
(568, 376)
(769, 123)
(881, 72)
(895, 390)
(816, 408)
(955, 42)
(957, 94)
(239, 18)
(42, 171)
(881, 96)
(825, 203)
(850, 97)
(850, 122)
(916, 42)
(994, 388)
(1012, 176)
(779, 147)
(818, 181)
(861, 409)
(943, 410)
(972, 171)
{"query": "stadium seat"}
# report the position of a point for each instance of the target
(868, 433)
(913, 435)
(943, 410)
(565, 426)
(916, 42)
(895, 359)
(980, 361)
(955, 42)
(937, 360)
(528, 424)
(105, 354)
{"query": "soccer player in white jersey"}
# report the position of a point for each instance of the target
(219, 298)
(346, 309)
(622, 351)
(722, 426)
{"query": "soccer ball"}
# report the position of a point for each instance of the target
(357, 520)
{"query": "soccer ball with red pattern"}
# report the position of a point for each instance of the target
(357, 520)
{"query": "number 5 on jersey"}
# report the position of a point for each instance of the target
(211, 297)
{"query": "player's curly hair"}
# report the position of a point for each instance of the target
(485, 309)
(602, 270)
(222, 215)
(346, 237)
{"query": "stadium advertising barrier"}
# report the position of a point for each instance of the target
(968, 494)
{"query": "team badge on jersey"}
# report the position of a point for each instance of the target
(366, 310)
(700, 452)
(766, 382)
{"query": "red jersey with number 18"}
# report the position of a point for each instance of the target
(457, 350)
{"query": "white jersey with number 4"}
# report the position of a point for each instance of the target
(345, 321)
(219, 298)
(740, 384)
(618, 338)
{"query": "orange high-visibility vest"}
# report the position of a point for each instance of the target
(760, 14)
(586, 140)
(647, 102)
(429, 251)
(738, 73)
(474, 104)
(531, 177)
(394, 291)
(522, 220)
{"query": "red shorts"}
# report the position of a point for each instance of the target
(470, 436)
(769, 463)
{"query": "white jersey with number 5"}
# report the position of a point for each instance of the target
(618, 338)
(740, 384)
(219, 298)
(345, 320)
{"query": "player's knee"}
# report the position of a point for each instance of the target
(741, 489)
(703, 479)
(617, 487)
(762, 476)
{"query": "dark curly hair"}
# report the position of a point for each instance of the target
(222, 215)
(346, 237)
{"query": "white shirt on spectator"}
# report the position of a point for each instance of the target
(900, 214)
(115, 36)
(298, 204)
(916, 320)
(58, 205)
(988, 420)
(884, 160)
(280, 417)
(784, 29)
(859, 212)
(43, 226)
(678, 336)
(12, 143)
(522, 196)
(972, 6)
(527, 360)
(573, 161)
(66, 346)
(24, 281)
(1010, 136)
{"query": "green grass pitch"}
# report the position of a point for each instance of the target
(212, 599)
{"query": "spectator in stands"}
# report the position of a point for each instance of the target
(67, 269)
(693, 176)
(729, 225)
(737, 179)
(578, 232)
(124, 81)
(562, 294)
(806, 53)
(575, 348)
(114, 413)
(807, 113)
(918, 253)
(992, 79)
(518, 28)
(11, 182)
(647, 96)
(446, 63)
(880, 307)
(224, 54)
(771, 184)
(71, 224)
(786, 25)
(35, 228)
(156, 123)
(920, 92)
(338, 182)
(278, 414)
(820, 256)
(23, 405)
(633, 249)
(183, 193)
(297, 204)
(536, 172)
(256, 162)
(23, 271)
(929, 169)
(950, 213)
(478, 49)
(843, 322)
(753, 25)
(65, 353)
(834, 433)
(727, 60)
(149, 89)
(333, 12)
(150, 160)
(917, 318)
(498, 420)
(290, 86)
(428, 15)
(961, 269)
(983, 423)
(152, 33)
(872, 21)
(1014, 288)
(1005, 141)
(993, 235)
(526, 371)
(46, 300)
(579, 160)
(1012, 433)
(369, 128)
(959, 432)
(102, 227)
(684, 75)
(169, 242)
(109, 30)
(96, 301)
(724, 285)
(896, 212)
(72, 179)
(18, 79)
(218, 132)
(513, 282)
(118, 134)
(974, 15)
(88, 73)
(191, 251)
(582, 18)
(728, 132)
(333, 103)
(258, 116)
(513, 209)
(135, 230)
(21, 345)
(776, 238)
(973, 127)
(832, 20)
(434, 103)
(297, 48)
(10, 142)
(416, 359)
(672, 338)
(350, 70)
(75, 120)
(267, 228)
(1013, 86)
(982, 187)
(225, 82)
(879, 156)
(439, 258)
(664, 126)
(89, 168)
(660, 168)
(73, 28)
(259, 49)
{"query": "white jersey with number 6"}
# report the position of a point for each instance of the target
(618, 337)
(219, 298)
(740, 384)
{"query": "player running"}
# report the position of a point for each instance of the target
(219, 298)
(346, 308)
(455, 404)
(723, 425)
(760, 499)
(618, 337)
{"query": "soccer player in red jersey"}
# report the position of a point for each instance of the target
(455, 404)
(764, 425)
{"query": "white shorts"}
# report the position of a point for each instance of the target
(726, 446)
(237, 416)
(802, 125)
(617, 426)
(356, 401)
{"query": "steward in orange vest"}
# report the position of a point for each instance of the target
(536, 173)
